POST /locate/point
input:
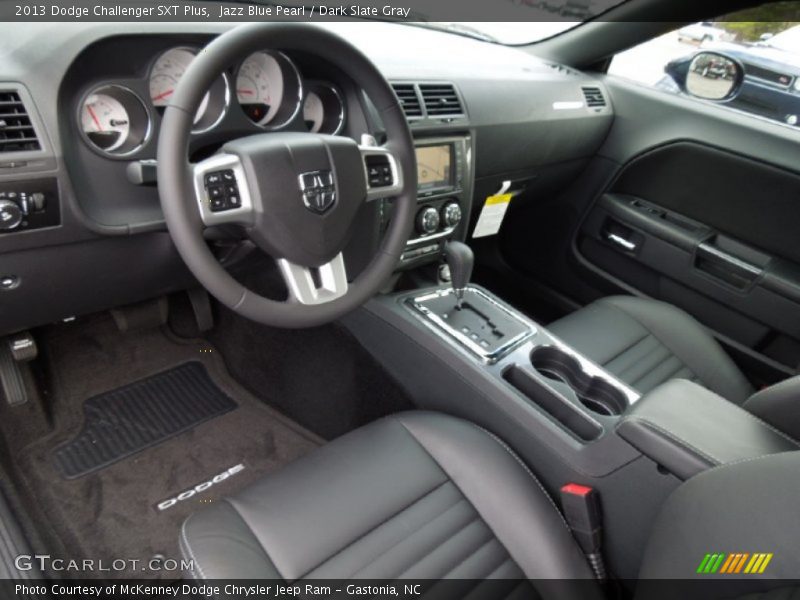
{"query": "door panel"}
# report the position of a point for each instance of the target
(694, 204)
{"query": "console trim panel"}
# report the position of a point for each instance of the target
(444, 330)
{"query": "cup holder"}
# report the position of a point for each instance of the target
(595, 393)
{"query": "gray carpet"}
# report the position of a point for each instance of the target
(112, 513)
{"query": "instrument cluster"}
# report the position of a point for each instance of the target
(266, 89)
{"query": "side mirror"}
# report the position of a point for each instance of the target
(708, 75)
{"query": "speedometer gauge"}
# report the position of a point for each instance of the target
(259, 87)
(113, 120)
(165, 74)
(268, 88)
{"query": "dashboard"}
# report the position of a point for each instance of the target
(77, 176)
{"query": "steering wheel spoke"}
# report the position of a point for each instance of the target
(315, 285)
(221, 191)
(383, 175)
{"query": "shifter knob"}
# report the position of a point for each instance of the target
(460, 259)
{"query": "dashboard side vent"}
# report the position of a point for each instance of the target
(594, 97)
(441, 100)
(16, 129)
(562, 69)
(409, 101)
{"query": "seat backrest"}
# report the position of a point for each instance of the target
(727, 532)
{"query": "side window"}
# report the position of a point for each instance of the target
(749, 61)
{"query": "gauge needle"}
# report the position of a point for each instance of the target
(94, 117)
(164, 95)
(245, 92)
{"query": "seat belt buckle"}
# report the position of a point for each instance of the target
(581, 506)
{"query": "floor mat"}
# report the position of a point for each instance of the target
(129, 509)
(129, 419)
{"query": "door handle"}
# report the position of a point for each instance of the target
(620, 241)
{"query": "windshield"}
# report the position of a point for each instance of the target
(788, 41)
(512, 22)
(504, 32)
(524, 21)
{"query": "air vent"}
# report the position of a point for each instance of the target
(441, 100)
(594, 97)
(562, 69)
(409, 100)
(16, 130)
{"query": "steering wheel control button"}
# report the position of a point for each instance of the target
(213, 179)
(222, 190)
(318, 189)
(379, 171)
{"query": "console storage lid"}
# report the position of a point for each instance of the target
(687, 429)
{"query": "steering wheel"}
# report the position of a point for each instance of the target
(298, 193)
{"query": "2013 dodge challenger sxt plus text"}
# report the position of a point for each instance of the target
(338, 307)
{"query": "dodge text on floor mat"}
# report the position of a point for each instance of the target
(200, 487)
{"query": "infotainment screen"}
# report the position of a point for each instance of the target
(434, 166)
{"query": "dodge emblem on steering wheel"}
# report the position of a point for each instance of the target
(319, 190)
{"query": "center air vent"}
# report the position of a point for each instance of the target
(407, 93)
(441, 100)
(594, 97)
(16, 130)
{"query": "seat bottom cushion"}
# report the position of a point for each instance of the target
(417, 495)
(645, 343)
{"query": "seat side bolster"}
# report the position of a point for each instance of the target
(505, 493)
(221, 544)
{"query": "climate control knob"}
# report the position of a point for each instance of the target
(428, 221)
(451, 214)
(10, 215)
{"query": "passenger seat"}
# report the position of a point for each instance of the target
(646, 342)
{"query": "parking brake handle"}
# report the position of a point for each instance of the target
(460, 259)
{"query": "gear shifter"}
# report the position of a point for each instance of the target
(460, 259)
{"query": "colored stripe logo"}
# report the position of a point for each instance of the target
(735, 563)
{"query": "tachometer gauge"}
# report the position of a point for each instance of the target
(164, 77)
(323, 109)
(113, 119)
(268, 88)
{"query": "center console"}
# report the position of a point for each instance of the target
(473, 356)
(444, 179)
(571, 390)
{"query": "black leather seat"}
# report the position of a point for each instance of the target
(417, 495)
(646, 342)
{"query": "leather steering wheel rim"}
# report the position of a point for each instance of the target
(175, 174)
